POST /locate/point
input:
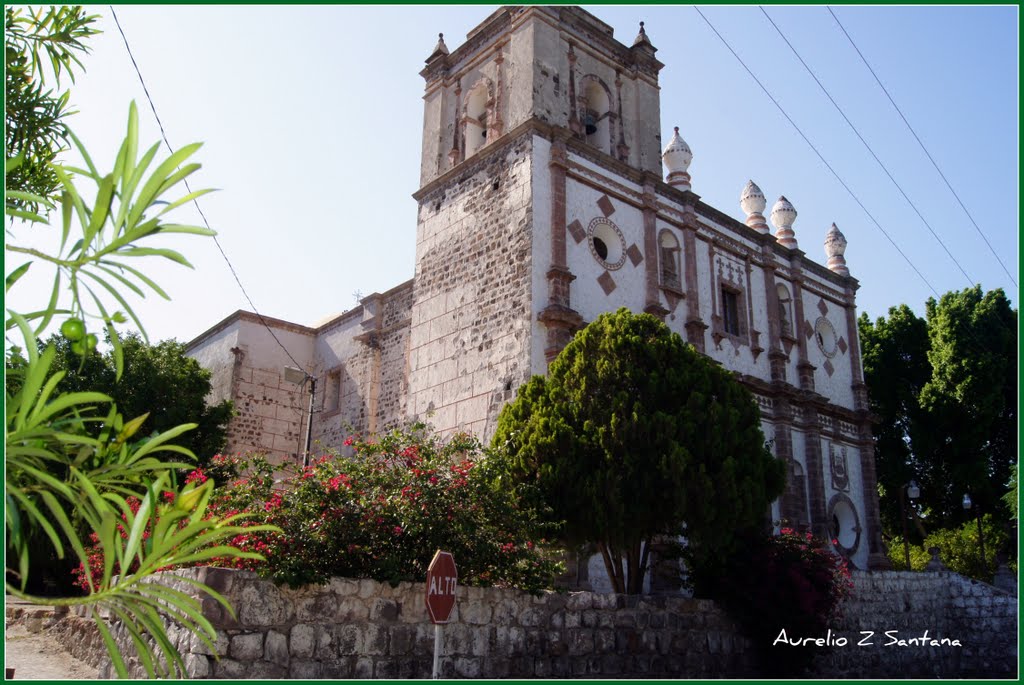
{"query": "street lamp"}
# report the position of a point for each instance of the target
(913, 492)
(981, 538)
(298, 376)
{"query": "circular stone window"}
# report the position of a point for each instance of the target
(606, 243)
(825, 335)
(844, 524)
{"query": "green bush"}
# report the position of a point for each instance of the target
(791, 581)
(960, 550)
(383, 512)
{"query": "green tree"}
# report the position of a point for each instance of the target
(972, 394)
(34, 128)
(632, 435)
(944, 389)
(896, 368)
(158, 380)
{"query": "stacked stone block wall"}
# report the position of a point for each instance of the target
(269, 413)
(891, 607)
(469, 339)
(365, 629)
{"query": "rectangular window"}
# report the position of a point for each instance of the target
(730, 312)
(669, 269)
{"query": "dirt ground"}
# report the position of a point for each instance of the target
(38, 656)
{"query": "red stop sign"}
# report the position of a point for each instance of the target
(442, 579)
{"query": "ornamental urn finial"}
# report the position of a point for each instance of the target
(835, 248)
(677, 157)
(752, 202)
(783, 216)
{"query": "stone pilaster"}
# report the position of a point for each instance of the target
(815, 473)
(558, 316)
(804, 369)
(694, 325)
(652, 293)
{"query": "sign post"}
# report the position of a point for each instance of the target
(442, 580)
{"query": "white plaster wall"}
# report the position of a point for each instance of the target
(588, 298)
(214, 354)
(263, 351)
(837, 386)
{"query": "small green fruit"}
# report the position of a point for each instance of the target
(73, 329)
(91, 341)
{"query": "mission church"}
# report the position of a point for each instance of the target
(543, 203)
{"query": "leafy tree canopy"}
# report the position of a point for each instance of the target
(945, 391)
(633, 434)
(159, 380)
(39, 44)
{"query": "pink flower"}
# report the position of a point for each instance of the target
(397, 530)
(348, 441)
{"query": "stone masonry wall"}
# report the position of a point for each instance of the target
(905, 605)
(469, 339)
(365, 629)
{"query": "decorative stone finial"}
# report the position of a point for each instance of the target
(677, 157)
(440, 48)
(835, 247)
(783, 216)
(752, 202)
(642, 36)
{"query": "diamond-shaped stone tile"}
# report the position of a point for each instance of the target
(829, 369)
(606, 282)
(634, 254)
(822, 307)
(577, 231)
(842, 344)
(605, 205)
(808, 330)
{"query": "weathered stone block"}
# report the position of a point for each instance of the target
(372, 640)
(229, 669)
(275, 648)
(475, 612)
(265, 670)
(246, 647)
(260, 603)
(315, 607)
(196, 666)
(302, 640)
(384, 610)
(363, 669)
(304, 670)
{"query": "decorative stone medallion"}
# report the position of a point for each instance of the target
(825, 336)
(607, 243)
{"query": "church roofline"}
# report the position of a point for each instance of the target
(281, 324)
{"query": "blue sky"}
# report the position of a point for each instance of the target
(312, 117)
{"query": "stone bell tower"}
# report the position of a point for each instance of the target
(491, 301)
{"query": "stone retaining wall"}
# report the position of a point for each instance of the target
(982, 618)
(365, 629)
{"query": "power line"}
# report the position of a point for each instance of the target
(195, 201)
(823, 160)
(929, 155)
(970, 281)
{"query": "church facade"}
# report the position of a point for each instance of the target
(546, 198)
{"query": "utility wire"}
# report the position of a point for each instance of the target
(918, 139)
(195, 201)
(823, 160)
(970, 281)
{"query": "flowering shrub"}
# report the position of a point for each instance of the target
(790, 581)
(383, 512)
